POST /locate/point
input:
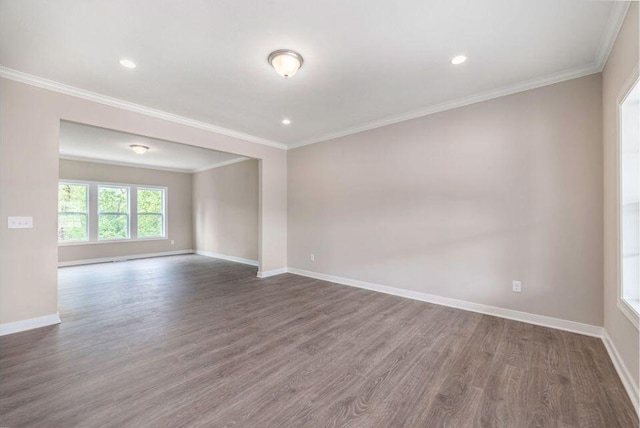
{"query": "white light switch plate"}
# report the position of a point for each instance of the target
(20, 222)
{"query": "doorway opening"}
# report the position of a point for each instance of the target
(117, 204)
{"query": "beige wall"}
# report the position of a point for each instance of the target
(179, 209)
(29, 133)
(28, 187)
(618, 75)
(225, 210)
(458, 204)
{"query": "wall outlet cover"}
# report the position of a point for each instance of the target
(517, 286)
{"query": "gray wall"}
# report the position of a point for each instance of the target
(225, 210)
(460, 203)
(619, 73)
(179, 209)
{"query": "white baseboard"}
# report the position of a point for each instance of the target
(29, 324)
(575, 327)
(273, 272)
(627, 380)
(229, 258)
(123, 258)
(542, 320)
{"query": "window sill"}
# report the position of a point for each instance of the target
(630, 308)
(110, 241)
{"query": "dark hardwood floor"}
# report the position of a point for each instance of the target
(192, 341)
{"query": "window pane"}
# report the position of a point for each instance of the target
(113, 226)
(150, 201)
(630, 198)
(113, 200)
(150, 213)
(113, 212)
(72, 198)
(72, 227)
(149, 225)
(72, 212)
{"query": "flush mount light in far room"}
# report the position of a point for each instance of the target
(457, 60)
(139, 148)
(127, 63)
(285, 62)
(286, 121)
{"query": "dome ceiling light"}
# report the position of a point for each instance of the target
(285, 62)
(458, 60)
(127, 63)
(139, 148)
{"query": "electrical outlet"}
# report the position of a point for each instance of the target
(517, 286)
(173, 242)
(312, 257)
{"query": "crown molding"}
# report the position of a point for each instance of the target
(612, 28)
(616, 18)
(572, 73)
(125, 164)
(221, 164)
(154, 167)
(51, 85)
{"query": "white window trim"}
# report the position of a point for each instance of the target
(92, 213)
(163, 213)
(622, 304)
(128, 213)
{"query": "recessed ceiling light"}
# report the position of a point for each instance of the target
(127, 63)
(139, 148)
(285, 62)
(458, 59)
(286, 122)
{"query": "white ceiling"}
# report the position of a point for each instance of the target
(83, 142)
(367, 63)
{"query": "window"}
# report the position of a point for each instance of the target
(73, 222)
(113, 212)
(91, 213)
(150, 213)
(629, 117)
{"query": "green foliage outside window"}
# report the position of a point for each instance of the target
(72, 212)
(113, 212)
(150, 213)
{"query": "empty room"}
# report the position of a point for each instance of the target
(319, 214)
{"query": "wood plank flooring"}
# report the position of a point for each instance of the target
(190, 341)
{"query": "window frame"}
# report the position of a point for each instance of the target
(100, 213)
(163, 214)
(86, 213)
(625, 307)
(92, 213)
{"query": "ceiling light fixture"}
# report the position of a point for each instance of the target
(139, 148)
(285, 62)
(458, 60)
(286, 121)
(127, 63)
